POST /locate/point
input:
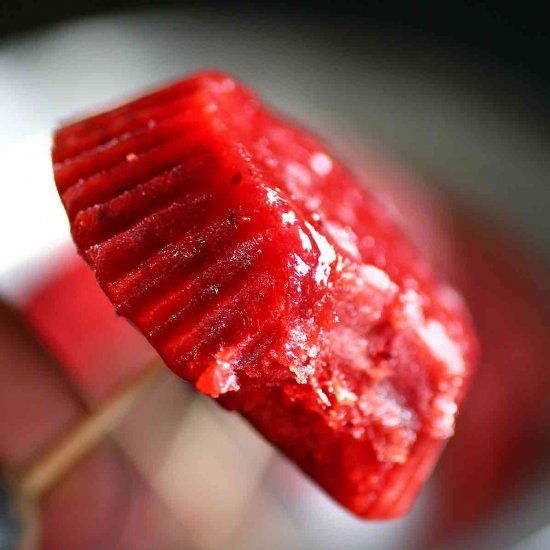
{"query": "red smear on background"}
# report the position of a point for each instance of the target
(503, 433)
(78, 324)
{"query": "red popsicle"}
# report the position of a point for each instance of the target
(263, 272)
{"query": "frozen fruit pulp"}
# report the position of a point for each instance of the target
(262, 271)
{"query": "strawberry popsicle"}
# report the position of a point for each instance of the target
(263, 272)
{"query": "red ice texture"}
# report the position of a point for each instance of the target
(262, 271)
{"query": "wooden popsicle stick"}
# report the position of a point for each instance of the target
(48, 468)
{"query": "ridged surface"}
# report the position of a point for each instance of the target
(261, 271)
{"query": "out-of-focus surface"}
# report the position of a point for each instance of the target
(490, 157)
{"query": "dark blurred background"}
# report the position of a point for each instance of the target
(511, 36)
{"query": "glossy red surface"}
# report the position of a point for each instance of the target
(263, 272)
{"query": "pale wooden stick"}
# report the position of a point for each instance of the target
(29, 514)
(49, 468)
(29, 484)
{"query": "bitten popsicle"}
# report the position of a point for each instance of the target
(263, 272)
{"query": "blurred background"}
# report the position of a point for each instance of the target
(443, 108)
